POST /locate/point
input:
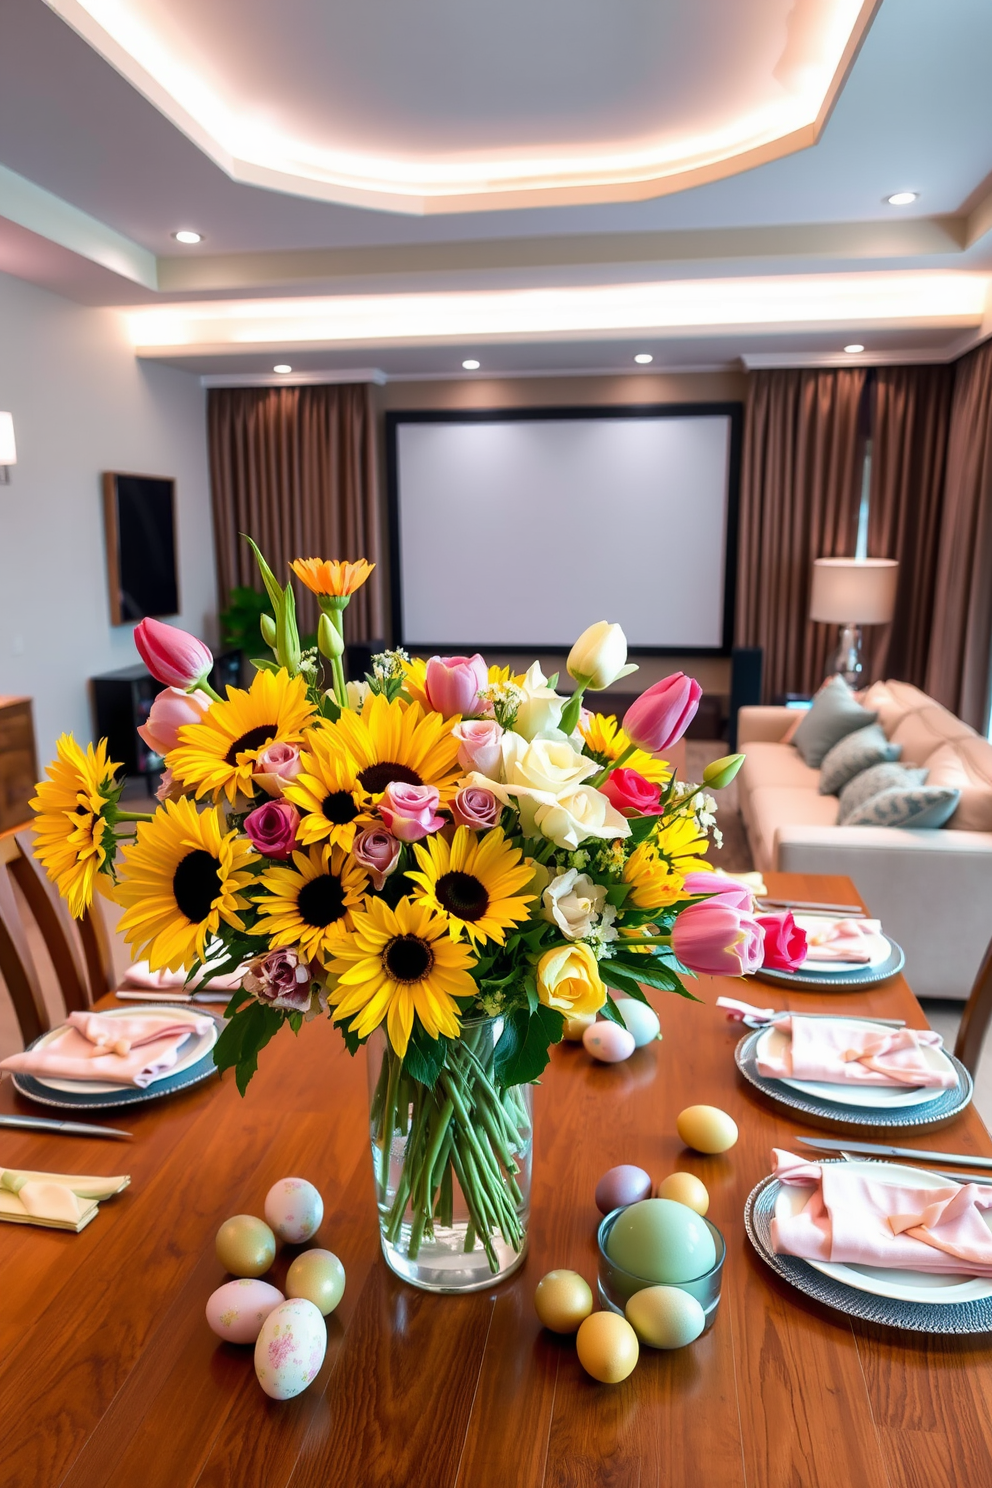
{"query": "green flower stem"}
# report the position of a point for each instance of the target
(133, 816)
(607, 770)
(337, 667)
(202, 685)
(395, 1070)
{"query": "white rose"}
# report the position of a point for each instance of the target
(540, 707)
(578, 814)
(535, 774)
(599, 656)
(573, 902)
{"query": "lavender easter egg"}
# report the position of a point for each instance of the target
(621, 1186)
(237, 1310)
(294, 1209)
(290, 1348)
(608, 1042)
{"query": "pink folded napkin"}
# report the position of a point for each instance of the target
(844, 1054)
(863, 1221)
(141, 976)
(842, 940)
(123, 1051)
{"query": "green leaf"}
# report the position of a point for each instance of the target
(611, 1012)
(265, 664)
(243, 1039)
(272, 587)
(619, 979)
(642, 827)
(351, 1040)
(617, 893)
(522, 1052)
(530, 987)
(424, 1058)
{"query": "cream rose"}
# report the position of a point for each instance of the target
(540, 707)
(535, 774)
(578, 814)
(573, 902)
(568, 979)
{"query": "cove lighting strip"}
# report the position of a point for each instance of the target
(693, 306)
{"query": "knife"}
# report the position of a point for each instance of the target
(872, 1149)
(850, 910)
(64, 1128)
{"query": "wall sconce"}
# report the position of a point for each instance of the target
(8, 449)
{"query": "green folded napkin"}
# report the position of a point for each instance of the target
(59, 1201)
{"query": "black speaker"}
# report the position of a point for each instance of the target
(746, 667)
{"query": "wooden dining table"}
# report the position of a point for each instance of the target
(110, 1375)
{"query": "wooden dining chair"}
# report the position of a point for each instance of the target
(977, 1014)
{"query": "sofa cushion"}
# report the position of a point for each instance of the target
(775, 764)
(892, 701)
(835, 712)
(925, 729)
(775, 806)
(854, 753)
(965, 766)
(871, 782)
(917, 806)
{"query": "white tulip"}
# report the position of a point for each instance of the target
(599, 657)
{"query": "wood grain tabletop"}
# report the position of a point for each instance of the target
(109, 1374)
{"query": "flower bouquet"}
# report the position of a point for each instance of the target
(448, 861)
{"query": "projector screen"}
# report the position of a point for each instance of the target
(519, 530)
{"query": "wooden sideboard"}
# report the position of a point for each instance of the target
(18, 761)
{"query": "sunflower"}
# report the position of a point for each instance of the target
(182, 876)
(309, 905)
(681, 842)
(326, 576)
(327, 792)
(218, 754)
(399, 964)
(396, 741)
(415, 681)
(73, 838)
(653, 883)
(473, 884)
(607, 741)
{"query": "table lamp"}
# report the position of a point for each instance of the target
(851, 592)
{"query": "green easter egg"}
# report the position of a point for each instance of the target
(661, 1241)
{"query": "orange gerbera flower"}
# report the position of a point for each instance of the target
(326, 576)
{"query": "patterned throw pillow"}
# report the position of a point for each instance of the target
(926, 806)
(872, 782)
(855, 752)
(834, 713)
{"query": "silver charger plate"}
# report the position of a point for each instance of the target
(948, 1103)
(920, 1317)
(840, 981)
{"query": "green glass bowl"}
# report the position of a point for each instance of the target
(616, 1286)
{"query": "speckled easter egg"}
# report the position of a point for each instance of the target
(685, 1188)
(562, 1300)
(294, 1209)
(607, 1347)
(621, 1186)
(245, 1245)
(659, 1240)
(290, 1348)
(664, 1317)
(237, 1310)
(640, 1020)
(318, 1276)
(608, 1042)
(706, 1128)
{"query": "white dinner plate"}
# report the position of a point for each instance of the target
(877, 945)
(883, 1281)
(189, 1053)
(876, 1097)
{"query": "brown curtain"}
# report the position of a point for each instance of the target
(909, 453)
(295, 468)
(799, 501)
(958, 671)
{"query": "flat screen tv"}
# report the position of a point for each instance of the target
(141, 546)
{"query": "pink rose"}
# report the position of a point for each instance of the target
(272, 828)
(730, 890)
(410, 811)
(631, 794)
(713, 938)
(453, 683)
(479, 746)
(661, 715)
(785, 944)
(378, 852)
(172, 655)
(280, 979)
(477, 808)
(169, 712)
(275, 767)
(168, 788)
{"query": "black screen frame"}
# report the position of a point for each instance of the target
(112, 523)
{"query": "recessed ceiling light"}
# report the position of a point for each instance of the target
(643, 358)
(854, 347)
(282, 367)
(902, 198)
(471, 365)
(187, 235)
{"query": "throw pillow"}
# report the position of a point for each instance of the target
(855, 752)
(966, 765)
(872, 782)
(835, 712)
(924, 806)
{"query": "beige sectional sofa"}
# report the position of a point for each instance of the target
(932, 889)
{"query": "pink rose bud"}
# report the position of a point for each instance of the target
(172, 655)
(170, 711)
(272, 828)
(631, 794)
(275, 767)
(453, 684)
(378, 852)
(661, 715)
(410, 811)
(168, 789)
(785, 944)
(477, 808)
(712, 938)
(479, 746)
(280, 979)
(730, 890)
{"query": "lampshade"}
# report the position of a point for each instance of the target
(854, 591)
(8, 449)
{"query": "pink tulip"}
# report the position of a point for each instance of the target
(661, 715)
(172, 655)
(169, 712)
(275, 767)
(272, 829)
(479, 746)
(453, 684)
(378, 852)
(477, 808)
(730, 890)
(712, 938)
(410, 811)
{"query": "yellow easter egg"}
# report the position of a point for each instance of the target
(318, 1276)
(245, 1245)
(562, 1300)
(607, 1347)
(685, 1188)
(664, 1317)
(707, 1129)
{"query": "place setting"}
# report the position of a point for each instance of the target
(845, 949)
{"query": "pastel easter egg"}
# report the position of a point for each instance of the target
(318, 1276)
(237, 1310)
(659, 1240)
(685, 1188)
(562, 1300)
(607, 1347)
(245, 1245)
(608, 1042)
(640, 1020)
(706, 1128)
(664, 1317)
(290, 1348)
(294, 1209)
(621, 1186)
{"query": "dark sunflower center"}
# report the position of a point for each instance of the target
(254, 739)
(407, 958)
(321, 901)
(196, 884)
(339, 808)
(376, 777)
(463, 895)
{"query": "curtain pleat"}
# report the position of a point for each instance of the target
(295, 468)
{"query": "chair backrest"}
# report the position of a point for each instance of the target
(977, 1014)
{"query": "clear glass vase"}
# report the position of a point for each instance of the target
(452, 1164)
